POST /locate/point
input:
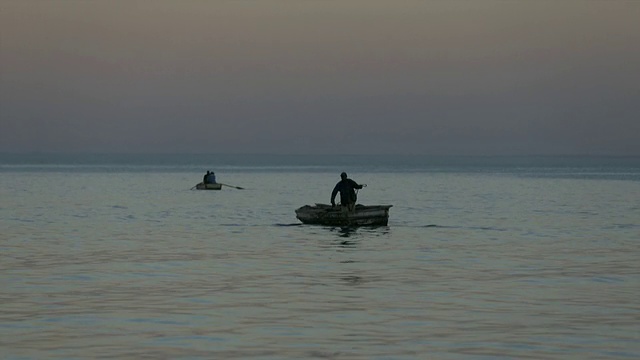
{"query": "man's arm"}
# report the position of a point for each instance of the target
(333, 195)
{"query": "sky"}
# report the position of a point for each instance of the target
(441, 77)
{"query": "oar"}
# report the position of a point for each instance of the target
(237, 187)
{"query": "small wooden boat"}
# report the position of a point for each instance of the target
(203, 186)
(322, 214)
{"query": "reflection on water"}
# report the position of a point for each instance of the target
(346, 232)
(118, 270)
(350, 236)
(347, 237)
(352, 280)
(351, 231)
(346, 244)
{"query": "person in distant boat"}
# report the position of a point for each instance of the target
(347, 189)
(205, 179)
(212, 177)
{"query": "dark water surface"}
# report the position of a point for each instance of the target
(483, 258)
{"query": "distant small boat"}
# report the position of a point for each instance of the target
(322, 214)
(203, 186)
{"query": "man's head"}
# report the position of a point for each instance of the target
(343, 175)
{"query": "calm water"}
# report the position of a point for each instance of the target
(483, 258)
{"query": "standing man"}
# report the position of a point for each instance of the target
(347, 188)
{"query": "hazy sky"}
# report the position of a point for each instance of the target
(333, 77)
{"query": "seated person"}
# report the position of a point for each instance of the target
(211, 179)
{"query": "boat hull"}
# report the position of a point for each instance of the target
(322, 214)
(202, 186)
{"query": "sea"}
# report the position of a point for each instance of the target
(118, 257)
